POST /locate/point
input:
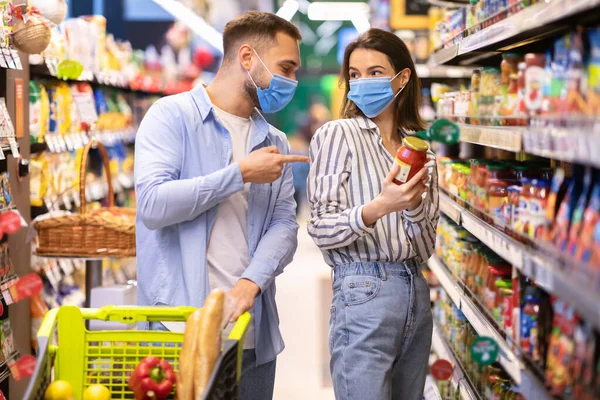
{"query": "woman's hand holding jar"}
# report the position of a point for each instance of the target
(395, 198)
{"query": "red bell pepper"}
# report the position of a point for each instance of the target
(152, 379)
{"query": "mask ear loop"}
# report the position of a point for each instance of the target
(402, 88)
(261, 61)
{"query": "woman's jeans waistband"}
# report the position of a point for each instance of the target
(381, 270)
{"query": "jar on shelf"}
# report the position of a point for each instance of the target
(538, 203)
(534, 81)
(495, 272)
(497, 197)
(473, 111)
(508, 66)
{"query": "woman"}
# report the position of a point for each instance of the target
(373, 233)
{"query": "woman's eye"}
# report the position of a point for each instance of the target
(353, 75)
(375, 73)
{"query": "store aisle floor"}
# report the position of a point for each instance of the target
(303, 297)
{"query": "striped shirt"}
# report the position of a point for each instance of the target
(348, 166)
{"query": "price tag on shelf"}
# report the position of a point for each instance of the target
(449, 208)
(26, 365)
(14, 147)
(69, 143)
(494, 239)
(544, 273)
(484, 350)
(17, 59)
(441, 370)
(86, 107)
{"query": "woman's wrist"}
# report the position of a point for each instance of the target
(373, 211)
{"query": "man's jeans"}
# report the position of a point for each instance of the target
(379, 332)
(257, 382)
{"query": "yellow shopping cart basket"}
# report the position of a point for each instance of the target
(70, 352)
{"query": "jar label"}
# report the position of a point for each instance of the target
(534, 80)
(404, 171)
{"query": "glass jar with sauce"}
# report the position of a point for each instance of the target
(497, 196)
(495, 272)
(480, 189)
(534, 81)
(538, 202)
(412, 157)
(525, 197)
(508, 67)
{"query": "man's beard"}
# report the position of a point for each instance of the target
(250, 91)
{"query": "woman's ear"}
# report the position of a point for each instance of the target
(404, 76)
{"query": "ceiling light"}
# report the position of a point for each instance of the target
(288, 9)
(334, 11)
(194, 22)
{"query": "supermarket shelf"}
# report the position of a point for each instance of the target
(549, 270)
(530, 386)
(533, 22)
(508, 359)
(431, 391)
(573, 144)
(118, 82)
(442, 349)
(510, 139)
(425, 71)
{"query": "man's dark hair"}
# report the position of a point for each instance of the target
(256, 28)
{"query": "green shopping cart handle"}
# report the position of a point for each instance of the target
(132, 314)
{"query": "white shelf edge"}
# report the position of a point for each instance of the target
(532, 17)
(544, 270)
(530, 386)
(503, 138)
(448, 283)
(450, 208)
(438, 343)
(431, 391)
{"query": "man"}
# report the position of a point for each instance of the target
(215, 197)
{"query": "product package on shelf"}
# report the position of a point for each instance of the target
(543, 328)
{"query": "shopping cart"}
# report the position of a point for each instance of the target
(68, 351)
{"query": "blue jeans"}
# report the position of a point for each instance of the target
(379, 332)
(256, 382)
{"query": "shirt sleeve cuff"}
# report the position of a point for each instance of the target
(357, 224)
(415, 215)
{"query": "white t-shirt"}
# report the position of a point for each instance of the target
(228, 255)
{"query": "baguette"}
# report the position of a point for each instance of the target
(188, 357)
(209, 340)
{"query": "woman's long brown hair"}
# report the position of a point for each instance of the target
(407, 117)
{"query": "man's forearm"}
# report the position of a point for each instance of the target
(161, 204)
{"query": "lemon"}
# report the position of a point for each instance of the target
(96, 392)
(59, 390)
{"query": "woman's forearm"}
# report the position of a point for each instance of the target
(373, 211)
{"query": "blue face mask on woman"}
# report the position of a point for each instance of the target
(278, 94)
(373, 95)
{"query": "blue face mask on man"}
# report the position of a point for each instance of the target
(373, 95)
(278, 94)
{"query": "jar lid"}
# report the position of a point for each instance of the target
(520, 167)
(503, 283)
(500, 269)
(491, 70)
(510, 55)
(497, 167)
(497, 182)
(540, 183)
(414, 143)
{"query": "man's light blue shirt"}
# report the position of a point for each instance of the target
(182, 173)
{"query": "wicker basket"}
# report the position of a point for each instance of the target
(89, 234)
